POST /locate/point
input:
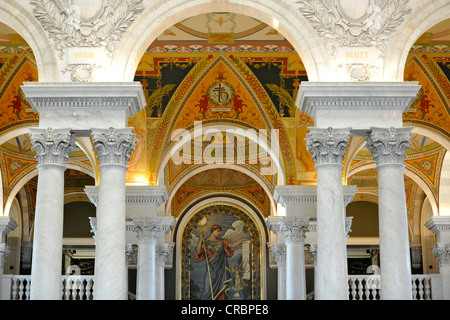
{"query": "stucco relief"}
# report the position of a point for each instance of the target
(85, 24)
(348, 24)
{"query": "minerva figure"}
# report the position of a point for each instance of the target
(216, 251)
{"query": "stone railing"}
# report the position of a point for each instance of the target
(367, 287)
(361, 287)
(74, 287)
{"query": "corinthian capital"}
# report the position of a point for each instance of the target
(442, 253)
(148, 229)
(294, 229)
(388, 145)
(327, 145)
(114, 146)
(4, 253)
(53, 146)
(164, 254)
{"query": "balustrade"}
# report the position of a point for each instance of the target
(361, 287)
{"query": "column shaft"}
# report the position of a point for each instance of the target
(110, 264)
(388, 146)
(48, 232)
(295, 271)
(146, 272)
(332, 280)
(114, 147)
(395, 262)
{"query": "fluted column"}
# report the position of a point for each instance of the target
(388, 147)
(440, 225)
(294, 230)
(327, 147)
(53, 147)
(114, 147)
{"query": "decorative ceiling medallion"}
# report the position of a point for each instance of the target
(81, 23)
(220, 93)
(365, 23)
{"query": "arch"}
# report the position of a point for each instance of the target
(410, 174)
(30, 176)
(418, 22)
(22, 21)
(211, 201)
(225, 166)
(175, 147)
(158, 17)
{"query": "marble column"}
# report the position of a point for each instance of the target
(388, 146)
(148, 230)
(277, 255)
(114, 147)
(294, 230)
(327, 147)
(53, 147)
(6, 226)
(440, 225)
(164, 253)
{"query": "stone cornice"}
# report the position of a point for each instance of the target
(440, 225)
(295, 194)
(356, 95)
(7, 224)
(48, 96)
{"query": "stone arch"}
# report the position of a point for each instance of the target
(410, 174)
(418, 22)
(227, 166)
(22, 21)
(158, 17)
(277, 158)
(192, 211)
(28, 177)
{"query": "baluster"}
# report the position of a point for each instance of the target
(360, 290)
(28, 289)
(421, 289)
(370, 288)
(77, 290)
(22, 289)
(68, 287)
(89, 295)
(378, 285)
(427, 282)
(14, 288)
(353, 289)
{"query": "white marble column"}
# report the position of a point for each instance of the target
(164, 253)
(148, 231)
(6, 226)
(327, 147)
(277, 255)
(53, 147)
(440, 225)
(114, 147)
(294, 230)
(388, 147)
